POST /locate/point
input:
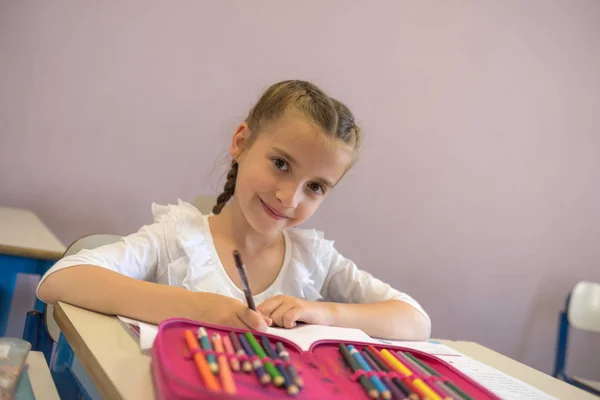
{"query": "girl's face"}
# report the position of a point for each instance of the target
(286, 171)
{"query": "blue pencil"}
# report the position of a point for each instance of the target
(205, 344)
(261, 374)
(381, 388)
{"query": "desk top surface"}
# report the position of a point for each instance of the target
(119, 370)
(23, 234)
(39, 375)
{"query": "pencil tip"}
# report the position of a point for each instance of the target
(293, 390)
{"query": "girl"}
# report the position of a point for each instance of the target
(294, 147)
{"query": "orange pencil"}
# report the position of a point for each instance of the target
(235, 363)
(200, 361)
(224, 371)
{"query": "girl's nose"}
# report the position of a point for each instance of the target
(290, 195)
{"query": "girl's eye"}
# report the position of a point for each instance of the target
(280, 164)
(316, 188)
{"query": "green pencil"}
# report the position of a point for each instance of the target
(434, 373)
(269, 367)
(421, 363)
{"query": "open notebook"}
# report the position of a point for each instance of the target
(304, 336)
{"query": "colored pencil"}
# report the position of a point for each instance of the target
(423, 389)
(457, 390)
(442, 390)
(396, 393)
(291, 387)
(418, 370)
(261, 374)
(239, 350)
(381, 388)
(410, 384)
(273, 372)
(200, 361)
(244, 278)
(409, 361)
(284, 355)
(205, 344)
(393, 361)
(412, 395)
(426, 367)
(224, 371)
(363, 379)
(234, 362)
(451, 392)
(433, 372)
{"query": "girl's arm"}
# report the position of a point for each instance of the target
(387, 319)
(362, 301)
(391, 319)
(109, 292)
(352, 299)
(113, 279)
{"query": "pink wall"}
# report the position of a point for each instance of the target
(478, 188)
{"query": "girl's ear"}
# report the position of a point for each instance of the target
(239, 141)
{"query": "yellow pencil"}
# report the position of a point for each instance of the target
(425, 390)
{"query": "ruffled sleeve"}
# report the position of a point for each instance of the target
(320, 272)
(197, 268)
(173, 250)
(139, 255)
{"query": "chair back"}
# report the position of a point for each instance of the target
(584, 307)
(85, 242)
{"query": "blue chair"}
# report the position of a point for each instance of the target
(582, 311)
(42, 331)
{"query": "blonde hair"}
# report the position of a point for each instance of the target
(331, 115)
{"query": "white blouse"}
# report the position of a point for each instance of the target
(178, 250)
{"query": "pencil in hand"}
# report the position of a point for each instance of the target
(244, 277)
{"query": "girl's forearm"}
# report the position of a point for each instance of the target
(390, 319)
(99, 289)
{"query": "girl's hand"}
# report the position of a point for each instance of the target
(227, 311)
(286, 311)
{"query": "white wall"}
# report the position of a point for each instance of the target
(478, 188)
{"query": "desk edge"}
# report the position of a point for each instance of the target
(85, 356)
(30, 253)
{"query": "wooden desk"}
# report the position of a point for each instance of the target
(27, 246)
(39, 375)
(531, 376)
(119, 370)
(23, 234)
(111, 357)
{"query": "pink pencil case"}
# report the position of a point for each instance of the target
(322, 368)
